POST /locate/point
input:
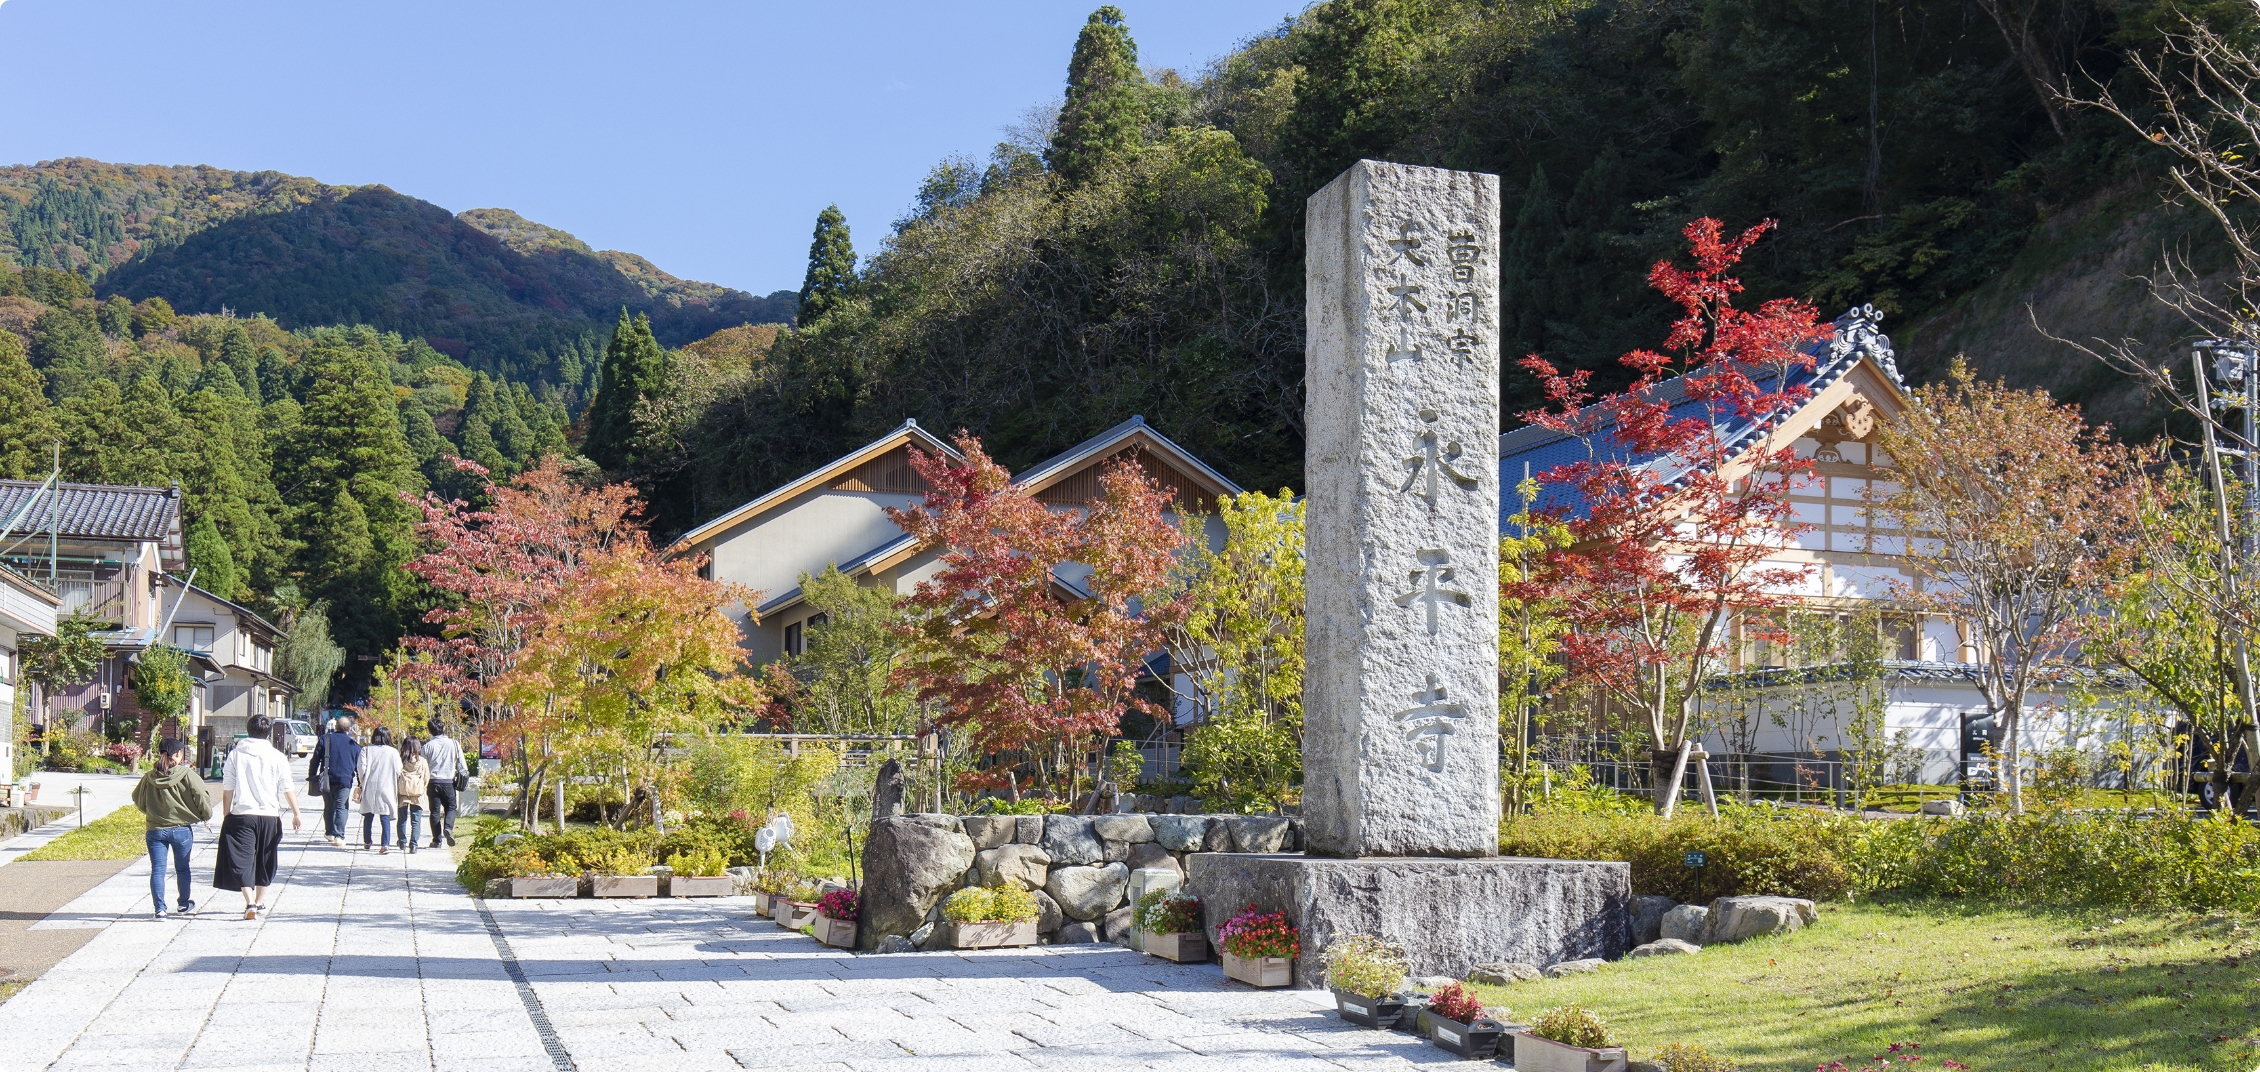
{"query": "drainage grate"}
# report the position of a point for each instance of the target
(549, 1039)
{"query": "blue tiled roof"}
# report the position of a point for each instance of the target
(1533, 449)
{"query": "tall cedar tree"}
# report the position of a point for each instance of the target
(831, 267)
(1038, 668)
(1104, 115)
(27, 427)
(633, 368)
(1680, 516)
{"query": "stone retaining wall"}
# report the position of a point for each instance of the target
(1079, 866)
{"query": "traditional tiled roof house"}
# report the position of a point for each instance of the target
(1853, 564)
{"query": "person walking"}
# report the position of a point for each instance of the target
(253, 793)
(332, 766)
(449, 775)
(415, 777)
(376, 787)
(173, 800)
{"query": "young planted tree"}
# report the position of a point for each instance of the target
(1677, 510)
(1531, 626)
(843, 683)
(161, 687)
(1034, 633)
(66, 660)
(1242, 637)
(2016, 511)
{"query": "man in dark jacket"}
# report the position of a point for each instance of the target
(330, 770)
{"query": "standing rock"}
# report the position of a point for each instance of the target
(1069, 840)
(1180, 833)
(1258, 833)
(910, 863)
(1088, 892)
(1687, 923)
(886, 792)
(1116, 926)
(1023, 866)
(1665, 947)
(990, 831)
(1048, 916)
(1648, 917)
(1130, 828)
(1736, 919)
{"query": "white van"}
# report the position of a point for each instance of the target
(301, 739)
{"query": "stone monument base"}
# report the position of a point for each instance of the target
(1449, 914)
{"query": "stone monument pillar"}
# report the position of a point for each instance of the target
(1400, 687)
(1401, 696)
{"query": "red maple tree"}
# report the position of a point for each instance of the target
(1682, 497)
(1035, 632)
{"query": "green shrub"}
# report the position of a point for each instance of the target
(2176, 859)
(697, 862)
(1571, 1025)
(1365, 965)
(982, 904)
(1755, 849)
(1691, 1057)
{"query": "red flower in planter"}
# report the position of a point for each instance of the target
(1457, 1003)
(839, 905)
(1257, 933)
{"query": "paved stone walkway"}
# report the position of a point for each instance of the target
(375, 963)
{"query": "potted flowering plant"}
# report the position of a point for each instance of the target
(527, 874)
(981, 917)
(1455, 1022)
(835, 918)
(1169, 926)
(795, 908)
(1259, 948)
(622, 871)
(1366, 974)
(1567, 1039)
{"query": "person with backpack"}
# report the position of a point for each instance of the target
(173, 800)
(415, 778)
(253, 793)
(331, 768)
(451, 774)
(376, 788)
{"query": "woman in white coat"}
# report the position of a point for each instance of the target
(375, 788)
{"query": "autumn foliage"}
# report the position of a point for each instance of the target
(1677, 514)
(1034, 633)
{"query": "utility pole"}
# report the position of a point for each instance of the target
(2236, 364)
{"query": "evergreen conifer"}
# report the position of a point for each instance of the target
(1104, 115)
(214, 563)
(831, 267)
(27, 424)
(633, 366)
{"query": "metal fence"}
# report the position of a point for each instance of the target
(1816, 777)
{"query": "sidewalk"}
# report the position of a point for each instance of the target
(382, 963)
(105, 793)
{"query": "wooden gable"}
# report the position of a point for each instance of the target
(889, 472)
(1082, 485)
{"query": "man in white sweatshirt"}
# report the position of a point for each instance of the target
(253, 792)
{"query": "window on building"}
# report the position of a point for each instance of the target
(262, 657)
(816, 621)
(193, 637)
(792, 639)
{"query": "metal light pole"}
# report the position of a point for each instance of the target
(2236, 364)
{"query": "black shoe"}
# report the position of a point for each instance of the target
(185, 909)
(451, 841)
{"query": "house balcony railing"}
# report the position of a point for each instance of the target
(94, 599)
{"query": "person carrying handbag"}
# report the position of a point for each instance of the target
(376, 788)
(415, 778)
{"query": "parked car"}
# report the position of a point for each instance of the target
(302, 736)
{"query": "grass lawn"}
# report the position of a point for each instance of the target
(116, 836)
(1999, 989)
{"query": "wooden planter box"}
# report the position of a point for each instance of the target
(1477, 1041)
(1260, 971)
(760, 903)
(1187, 947)
(792, 915)
(991, 935)
(545, 886)
(1534, 1054)
(835, 932)
(1381, 1013)
(700, 885)
(624, 885)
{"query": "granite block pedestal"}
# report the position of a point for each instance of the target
(1450, 914)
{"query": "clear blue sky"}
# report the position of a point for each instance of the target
(703, 135)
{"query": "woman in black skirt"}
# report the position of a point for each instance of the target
(254, 791)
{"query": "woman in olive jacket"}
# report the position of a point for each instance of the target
(172, 799)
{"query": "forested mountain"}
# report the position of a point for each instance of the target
(1142, 255)
(503, 295)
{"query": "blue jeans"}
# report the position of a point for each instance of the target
(334, 808)
(175, 841)
(368, 819)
